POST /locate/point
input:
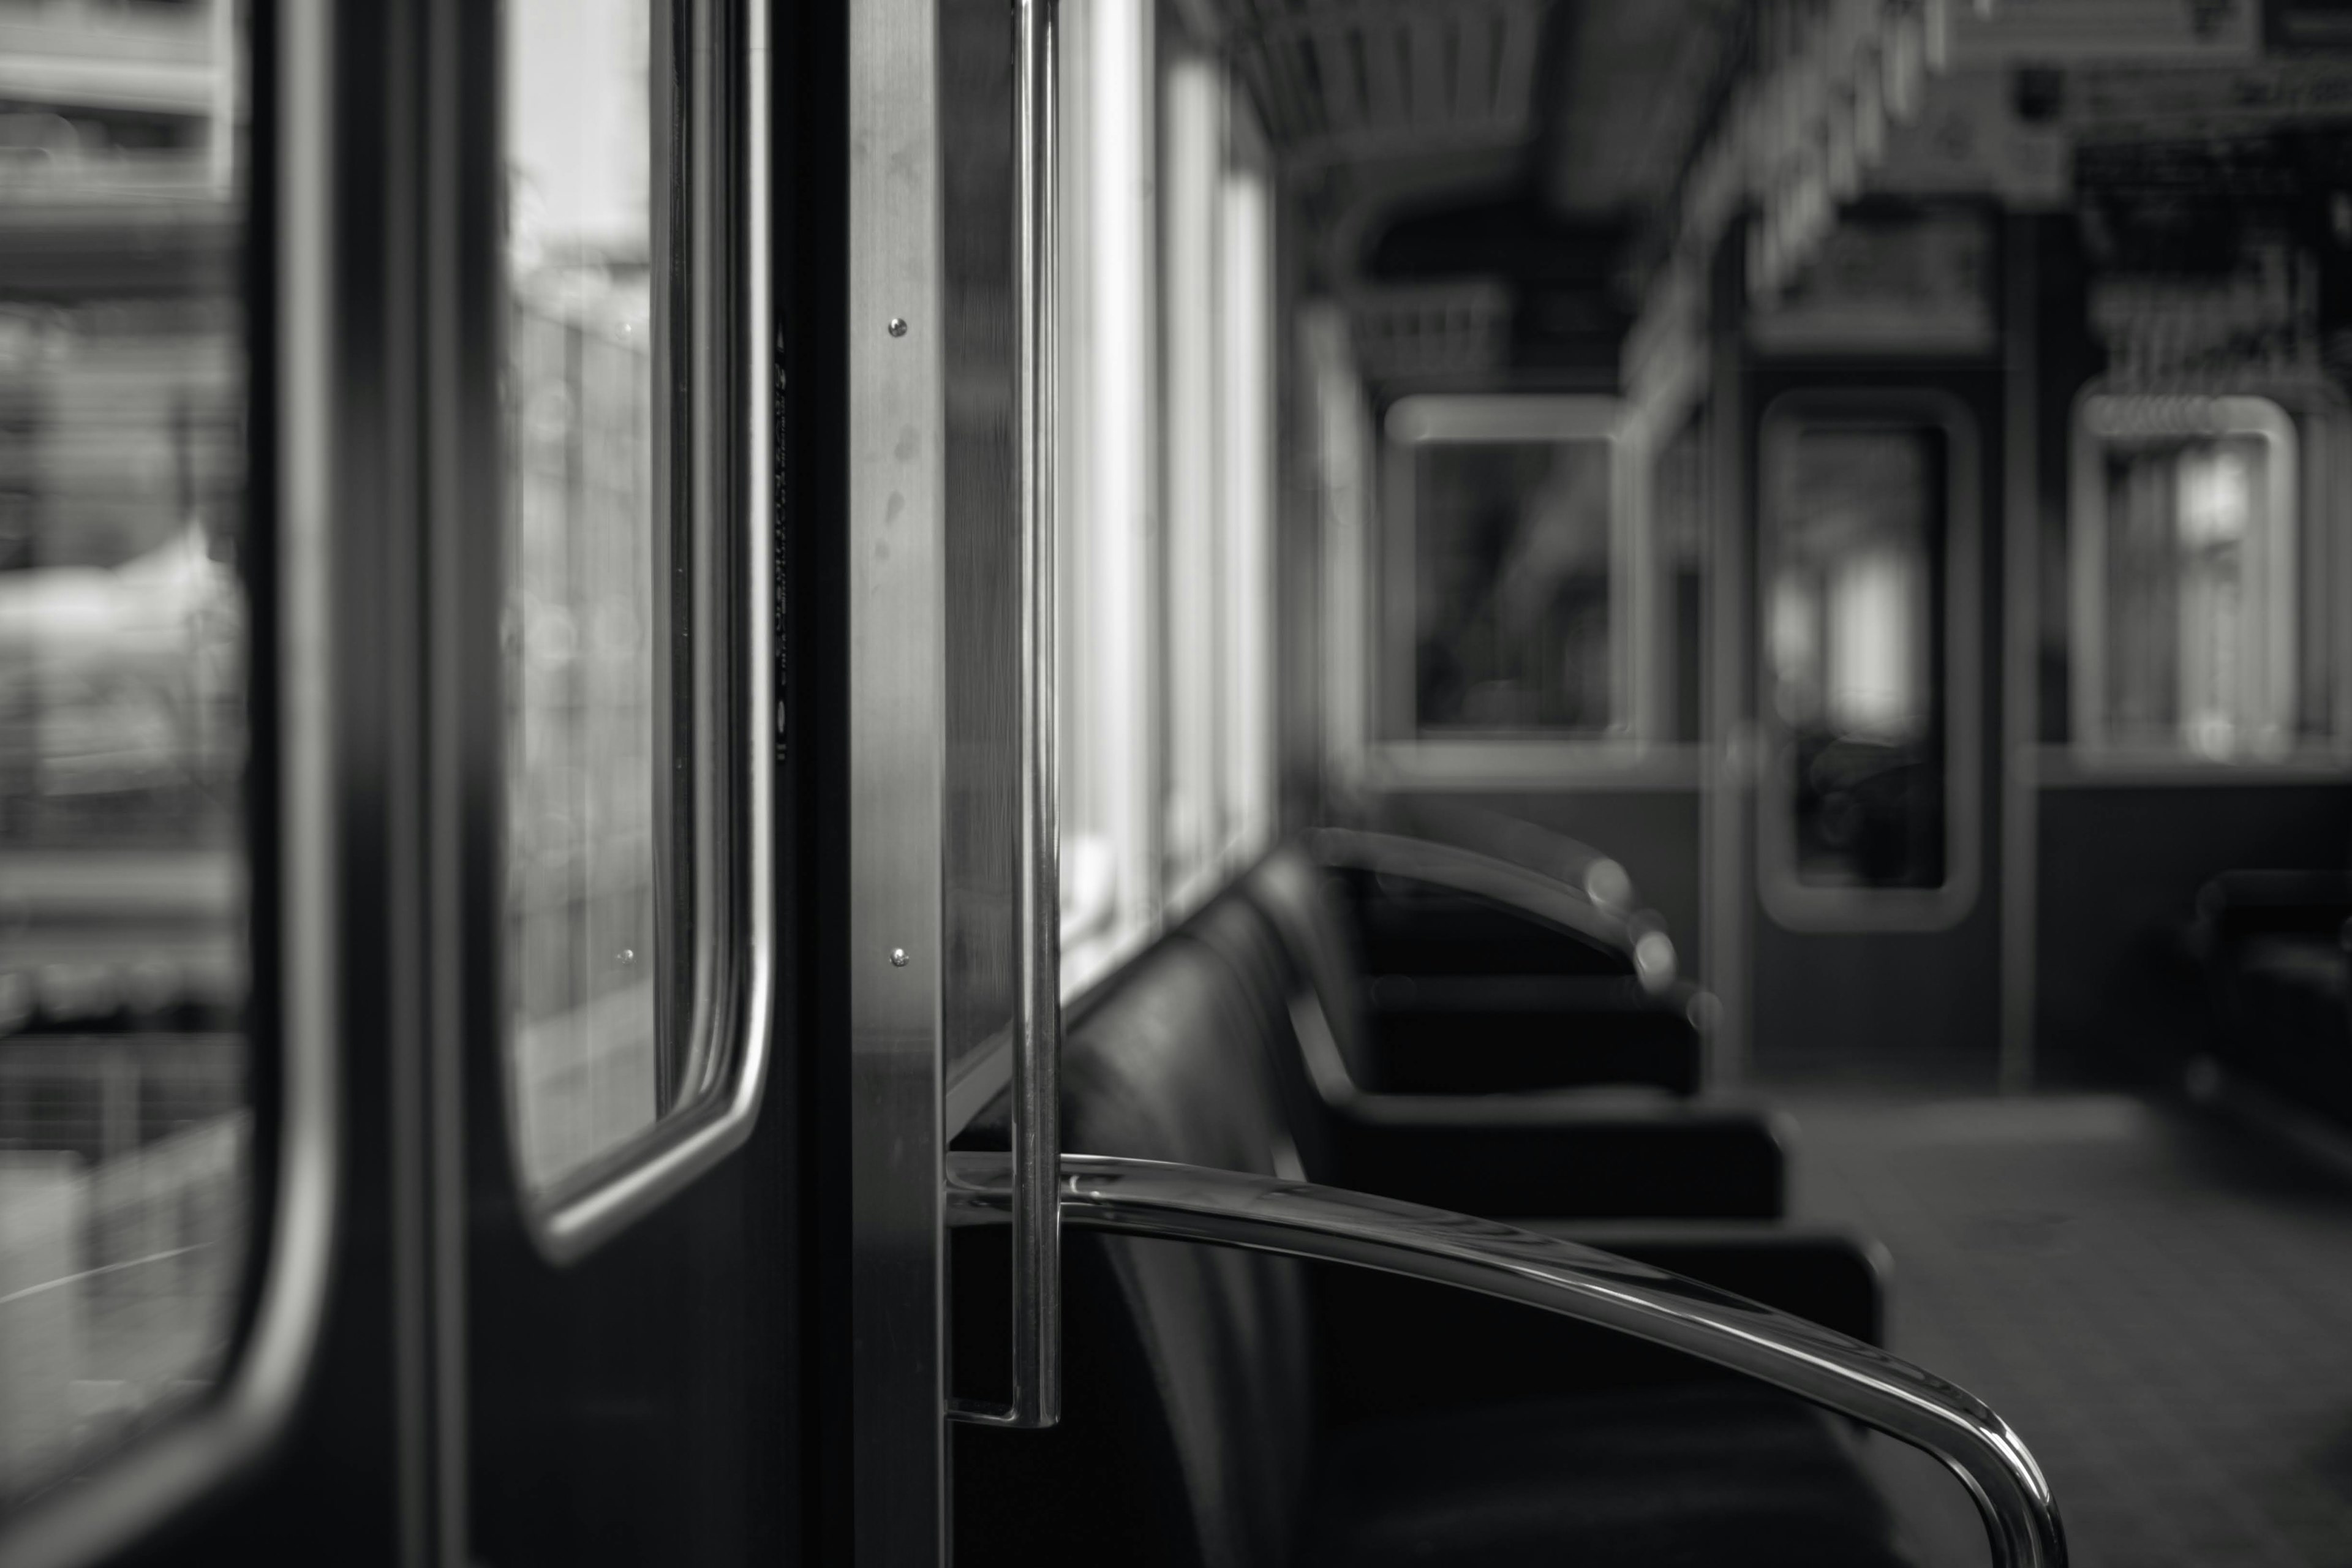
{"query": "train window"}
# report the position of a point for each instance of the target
(1247, 397)
(1193, 109)
(2188, 572)
(1506, 586)
(125, 1172)
(1102, 532)
(598, 928)
(1864, 803)
(1165, 511)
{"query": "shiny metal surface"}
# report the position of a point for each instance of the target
(897, 778)
(1459, 871)
(1184, 1203)
(1036, 1392)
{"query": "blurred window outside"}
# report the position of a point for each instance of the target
(1164, 571)
(585, 656)
(125, 1124)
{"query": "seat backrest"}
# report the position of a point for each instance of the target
(1189, 1400)
(1238, 931)
(1296, 897)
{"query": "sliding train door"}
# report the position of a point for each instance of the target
(457, 1217)
(1867, 742)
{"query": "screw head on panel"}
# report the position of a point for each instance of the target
(898, 958)
(898, 326)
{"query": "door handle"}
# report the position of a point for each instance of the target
(1187, 1203)
(1032, 1171)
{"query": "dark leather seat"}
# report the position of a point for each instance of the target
(2274, 946)
(1708, 1475)
(1568, 1154)
(1230, 1408)
(1477, 975)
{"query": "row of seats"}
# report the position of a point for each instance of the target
(1225, 1407)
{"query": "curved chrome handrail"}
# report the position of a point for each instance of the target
(1528, 891)
(1187, 1203)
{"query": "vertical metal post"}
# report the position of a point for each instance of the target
(1036, 1399)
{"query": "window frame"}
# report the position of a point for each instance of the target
(713, 433)
(2305, 464)
(1793, 904)
(1394, 755)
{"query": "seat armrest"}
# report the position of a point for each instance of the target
(1394, 1346)
(1223, 1208)
(1564, 1156)
(1824, 1273)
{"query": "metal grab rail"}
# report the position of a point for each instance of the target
(1037, 894)
(1186, 1203)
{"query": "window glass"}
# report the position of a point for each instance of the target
(1509, 589)
(1190, 157)
(2187, 574)
(1853, 626)
(125, 1182)
(587, 634)
(1165, 489)
(1104, 413)
(1245, 396)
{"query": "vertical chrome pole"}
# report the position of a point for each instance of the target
(1037, 1000)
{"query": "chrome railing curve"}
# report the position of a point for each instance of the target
(1145, 1198)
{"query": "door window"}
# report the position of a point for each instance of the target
(589, 632)
(1865, 699)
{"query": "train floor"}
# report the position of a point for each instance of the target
(2159, 1300)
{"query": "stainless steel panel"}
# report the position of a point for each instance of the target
(896, 777)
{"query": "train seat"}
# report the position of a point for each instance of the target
(2273, 948)
(1578, 1152)
(1566, 987)
(1230, 1407)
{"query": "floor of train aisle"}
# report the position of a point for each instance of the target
(2159, 1301)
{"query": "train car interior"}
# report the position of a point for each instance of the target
(1207, 783)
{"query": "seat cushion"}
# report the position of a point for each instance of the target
(1707, 1474)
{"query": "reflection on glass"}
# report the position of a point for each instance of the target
(2192, 574)
(1511, 606)
(123, 1119)
(1853, 635)
(584, 636)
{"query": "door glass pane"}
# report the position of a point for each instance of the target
(124, 1121)
(1511, 586)
(585, 633)
(1853, 634)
